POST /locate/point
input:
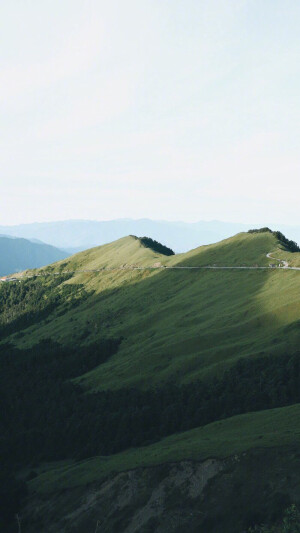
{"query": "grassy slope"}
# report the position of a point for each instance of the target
(266, 429)
(179, 325)
(126, 251)
(293, 259)
(243, 249)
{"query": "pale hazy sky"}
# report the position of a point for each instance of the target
(167, 109)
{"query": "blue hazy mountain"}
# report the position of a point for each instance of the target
(18, 254)
(76, 235)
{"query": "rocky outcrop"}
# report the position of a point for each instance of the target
(214, 496)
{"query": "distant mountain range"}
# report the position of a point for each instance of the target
(76, 235)
(19, 254)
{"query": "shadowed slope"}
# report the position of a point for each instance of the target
(221, 439)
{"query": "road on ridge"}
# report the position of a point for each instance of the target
(107, 269)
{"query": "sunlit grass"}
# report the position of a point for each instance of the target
(178, 325)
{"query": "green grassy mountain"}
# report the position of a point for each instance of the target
(135, 363)
(176, 325)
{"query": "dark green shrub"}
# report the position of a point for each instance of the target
(156, 246)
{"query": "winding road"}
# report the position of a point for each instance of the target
(282, 265)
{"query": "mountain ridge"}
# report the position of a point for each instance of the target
(179, 236)
(145, 301)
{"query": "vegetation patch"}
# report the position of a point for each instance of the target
(156, 246)
(30, 301)
(290, 246)
(52, 418)
(260, 230)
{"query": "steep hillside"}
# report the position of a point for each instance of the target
(220, 439)
(123, 359)
(222, 478)
(128, 251)
(176, 324)
(244, 249)
(19, 254)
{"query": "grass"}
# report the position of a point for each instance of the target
(126, 251)
(265, 429)
(177, 325)
(244, 249)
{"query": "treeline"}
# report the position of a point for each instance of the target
(289, 245)
(40, 408)
(156, 246)
(260, 230)
(44, 416)
(23, 304)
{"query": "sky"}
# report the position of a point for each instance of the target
(165, 109)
